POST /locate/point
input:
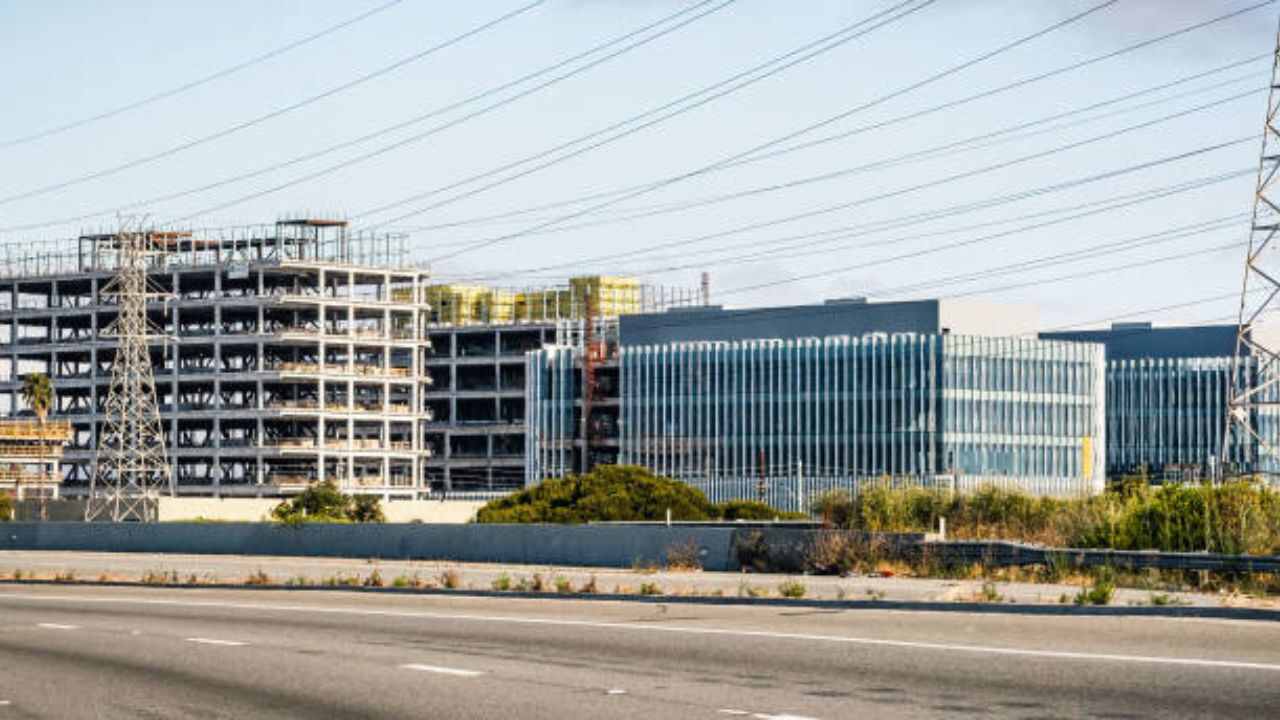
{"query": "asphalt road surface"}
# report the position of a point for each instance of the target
(79, 652)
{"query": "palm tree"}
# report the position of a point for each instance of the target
(37, 391)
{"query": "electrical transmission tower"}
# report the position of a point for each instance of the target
(130, 466)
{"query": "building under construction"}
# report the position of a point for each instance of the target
(287, 354)
(480, 335)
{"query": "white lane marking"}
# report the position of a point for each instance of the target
(3, 703)
(676, 629)
(615, 691)
(443, 670)
(731, 711)
(764, 716)
(56, 626)
(215, 641)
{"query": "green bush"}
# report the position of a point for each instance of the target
(1239, 517)
(6, 507)
(325, 503)
(753, 510)
(607, 493)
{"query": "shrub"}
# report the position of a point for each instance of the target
(6, 507)
(374, 579)
(1103, 589)
(451, 579)
(590, 587)
(607, 493)
(753, 510)
(325, 503)
(564, 585)
(752, 551)
(502, 583)
(538, 583)
(650, 588)
(684, 556)
(792, 589)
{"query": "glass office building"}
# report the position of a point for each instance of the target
(783, 419)
(1166, 392)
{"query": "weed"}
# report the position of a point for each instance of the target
(840, 593)
(451, 579)
(502, 583)
(538, 583)
(650, 588)
(643, 567)
(17, 574)
(298, 581)
(989, 593)
(589, 587)
(875, 595)
(1064, 598)
(64, 577)
(156, 577)
(564, 585)
(792, 589)
(374, 579)
(103, 577)
(684, 556)
(258, 577)
(400, 581)
(1102, 591)
(193, 579)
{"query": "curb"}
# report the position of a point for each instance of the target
(1216, 613)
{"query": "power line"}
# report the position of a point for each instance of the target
(679, 206)
(325, 172)
(685, 243)
(822, 246)
(752, 152)
(927, 251)
(410, 121)
(191, 85)
(782, 139)
(137, 162)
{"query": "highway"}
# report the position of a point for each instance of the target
(101, 652)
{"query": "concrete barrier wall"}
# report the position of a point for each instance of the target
(586, 545)
(178, 509)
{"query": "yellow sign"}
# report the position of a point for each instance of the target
(1086, 456)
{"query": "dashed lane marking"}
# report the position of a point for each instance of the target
(1075, 656)
(214, 641)
(457, 672)
(57, 626)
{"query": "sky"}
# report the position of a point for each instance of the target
(1119, 212)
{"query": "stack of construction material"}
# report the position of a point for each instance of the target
(607, 296)
(463, 304)
(543, 305)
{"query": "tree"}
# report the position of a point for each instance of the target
(324, 502)
(37, 392)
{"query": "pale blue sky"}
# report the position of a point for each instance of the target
(68, 60)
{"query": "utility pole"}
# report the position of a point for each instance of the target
(1250, 389)
(130, 465)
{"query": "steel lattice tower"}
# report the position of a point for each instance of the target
(1255, 379)
(130, 466)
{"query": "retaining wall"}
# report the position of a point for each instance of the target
(587, 545)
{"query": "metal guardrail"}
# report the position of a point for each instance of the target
(1000, 553)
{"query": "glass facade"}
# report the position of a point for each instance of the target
(1167, 416)
(785, 419)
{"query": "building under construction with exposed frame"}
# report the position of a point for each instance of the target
(287, 354)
